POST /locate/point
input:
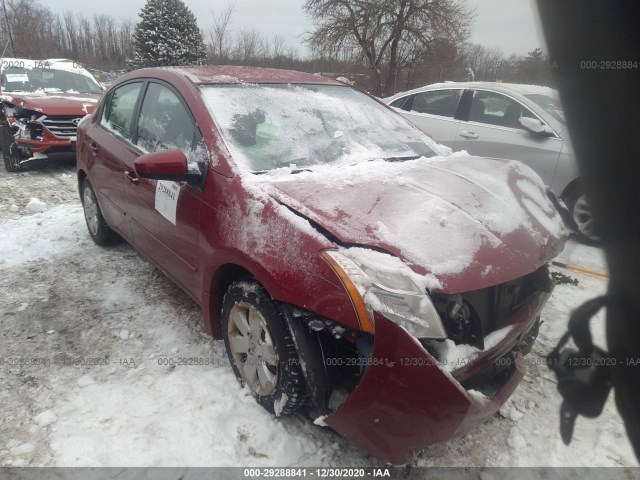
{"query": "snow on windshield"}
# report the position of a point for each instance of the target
(271, 126)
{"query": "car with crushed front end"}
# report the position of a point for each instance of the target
(41, 104)
(355, 269)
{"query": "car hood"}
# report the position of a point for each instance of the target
(471, 222)
(55, 103)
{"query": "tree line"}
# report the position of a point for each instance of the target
(383, 46)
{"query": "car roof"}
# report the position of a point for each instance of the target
(517, 88)
(229, 74)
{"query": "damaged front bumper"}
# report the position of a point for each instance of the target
(406, 401)
(43, 138)
(49, 149)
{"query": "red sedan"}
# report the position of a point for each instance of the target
(356, 270)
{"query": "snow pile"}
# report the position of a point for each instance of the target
(85, 381)
(454, 356)
(225, 426)
(36, 206)
(46, 418)
(58, 229)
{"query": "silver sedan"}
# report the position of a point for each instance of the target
(503, 120)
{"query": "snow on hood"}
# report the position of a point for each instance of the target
(471, 222)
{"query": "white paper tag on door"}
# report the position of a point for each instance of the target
(167, 199)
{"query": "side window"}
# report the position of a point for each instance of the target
(437, 102)
(402, 103)
(496, 109)
(117, 115)
(165, 122)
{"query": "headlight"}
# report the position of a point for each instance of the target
(389, 291)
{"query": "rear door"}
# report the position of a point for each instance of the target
(111, 152)
(164, 216)
(491, 128)
(433, 112)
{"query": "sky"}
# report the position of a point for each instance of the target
(510, 25)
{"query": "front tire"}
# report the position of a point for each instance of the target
(96, 224)
(260, 348)
(581, 213)
(10, 152)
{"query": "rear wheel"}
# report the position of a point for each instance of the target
(260, 348)
(98, 228)
(10, 152)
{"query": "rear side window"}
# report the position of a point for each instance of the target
(496, 109)
(118, 112)
(165, 122)
(437, 102)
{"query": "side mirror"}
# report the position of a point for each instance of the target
(535, 126)
(166, 165)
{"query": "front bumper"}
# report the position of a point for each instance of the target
(405, 401)
(63, 149)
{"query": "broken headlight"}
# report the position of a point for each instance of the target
(389, 291)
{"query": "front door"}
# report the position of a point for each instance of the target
(108, 146)
(164, 216)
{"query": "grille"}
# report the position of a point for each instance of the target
(488, 309)
(494, 305)
(62, 126)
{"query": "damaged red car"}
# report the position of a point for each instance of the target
(41, 104)
(356, 270)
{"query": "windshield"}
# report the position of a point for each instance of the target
(272, 126)
(550, 104)
(47, 80)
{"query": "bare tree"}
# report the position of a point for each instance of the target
(248, 46)
(381, 27)
(220, 35)
(488, 64)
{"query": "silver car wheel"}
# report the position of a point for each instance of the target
(253, 349)
(90, 207)
(583, 217)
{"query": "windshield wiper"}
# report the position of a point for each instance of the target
(297, 170)
(402, 159)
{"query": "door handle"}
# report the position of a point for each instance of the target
(94, 148)
(133, 178)
(467, 134)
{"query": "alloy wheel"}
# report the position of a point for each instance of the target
(583, 217)
(253, 348)
(90, 207)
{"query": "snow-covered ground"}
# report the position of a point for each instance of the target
(63, 299)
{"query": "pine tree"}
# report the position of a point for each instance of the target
(167, 34)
